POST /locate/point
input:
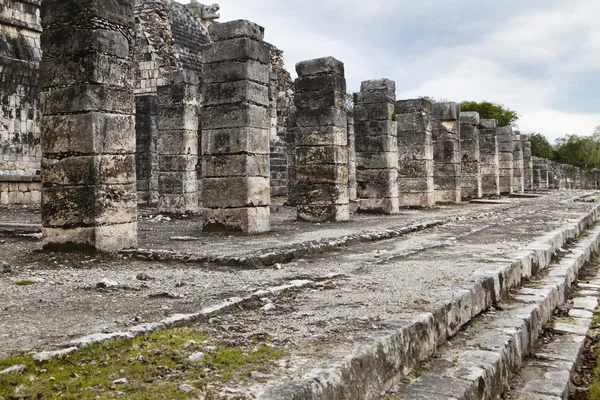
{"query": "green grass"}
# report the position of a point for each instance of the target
(154, 365)
(25, 282)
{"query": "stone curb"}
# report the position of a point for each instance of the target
(177, 320)
(378, 363)
(269, 257)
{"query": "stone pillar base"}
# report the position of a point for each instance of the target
(421, 200)
(324, 213)
(447, 196)
(379, 206)
(106, 238)
(247, 220)
(178, 203)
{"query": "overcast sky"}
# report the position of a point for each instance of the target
(540, 58)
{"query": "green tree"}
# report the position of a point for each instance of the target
(541, 147)
(488, 110)
(582, 151)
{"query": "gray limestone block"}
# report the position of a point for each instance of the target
(379, 96)
(244, 219)
(182, 76)
(235, 140)
(311, 155)
(79, 206)
(377, 160)
(374, 144)
(320, 99)
(172, 95)
(446, 111)
(320, 66)
(468, 133)
(323, 212)
(66, 41)
(321, 136)
(385, 85)
(239, 49)
(453, 388)
(235, 92)
(414, 106)
(177, 141)
(322, 117)
(387, 206)
(386, 185)
(410, 169)
(415, 185)
(228, 71)
(230, 192)
(446, 151)
(90, 133)
(488, 123)
(376, 112)
(89, 170)
(235, 116)
(233, 165)
(88, 97)
(414, 122)
(62, 11)
(311, 193)
(181, 117)
(505, 131)
(505, 147)
(322, 173)
(177, 162)
(374, 128)
(95, 68)
(314, 83)
(177, 182)
(469, 117)
(236, 29)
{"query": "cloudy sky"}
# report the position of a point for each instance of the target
(538, 57)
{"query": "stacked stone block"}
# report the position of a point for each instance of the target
(471, 187)
(527, 162)
(518, 164)
(446, 152)
(291, 157)
(415, 153)
(376, 147)
(540, 165)
(489, 159)
(235, 129)
(88, 136)
(146, 157)
(506, 159)
(178, 143)
(321, 141)
(351, 160)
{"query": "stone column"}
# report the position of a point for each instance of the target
(376, 147)
(543, 167)
(446, 152)
(146, 160)
(89, 197)
(527, 162)
(351, 160)
(235, 129)
(178, 143)
(470, 157)
(505, 159)
(488, 155)
(415, 153)
(537, 177)
(518, 167)
(321, 141)
(290, 139)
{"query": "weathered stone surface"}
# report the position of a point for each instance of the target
(235, 140)
(236, 29)
(237, 49)
(116, 11)
(235, 192)
(250, 219)
(446, 152)
(470, 156)
(489, 160)
(320, 66)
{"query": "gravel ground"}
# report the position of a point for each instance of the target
(389, 279)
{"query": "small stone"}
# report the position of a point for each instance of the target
(6, 267)
(278, 266)
(190, 343)
(197, 357)
(121, 381)
(107, 284)
(258, 376)
(186, 388)
(143, 277)
(269, 307)
(15, 369)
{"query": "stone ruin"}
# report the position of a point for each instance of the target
(157, 104)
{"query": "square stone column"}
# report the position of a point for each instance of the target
(351, 160)
(376, 147)
(539, 164)
(89, 197)
(506, 159)
(290, 139)
(321, 141)
(527, 162)
(446, 152)
(518, 164)
(178, 143)
(489, 161)
(415, 153)
(146, 158)
(235, 129)
(470, 157)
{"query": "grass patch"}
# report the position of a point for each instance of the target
(25, 282)
(154, 366)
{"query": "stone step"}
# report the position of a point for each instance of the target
(479, 362)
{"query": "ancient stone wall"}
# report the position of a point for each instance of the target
(20, 151)
(446, 152)
(489, 160)
(506, 159)
(470, 157)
